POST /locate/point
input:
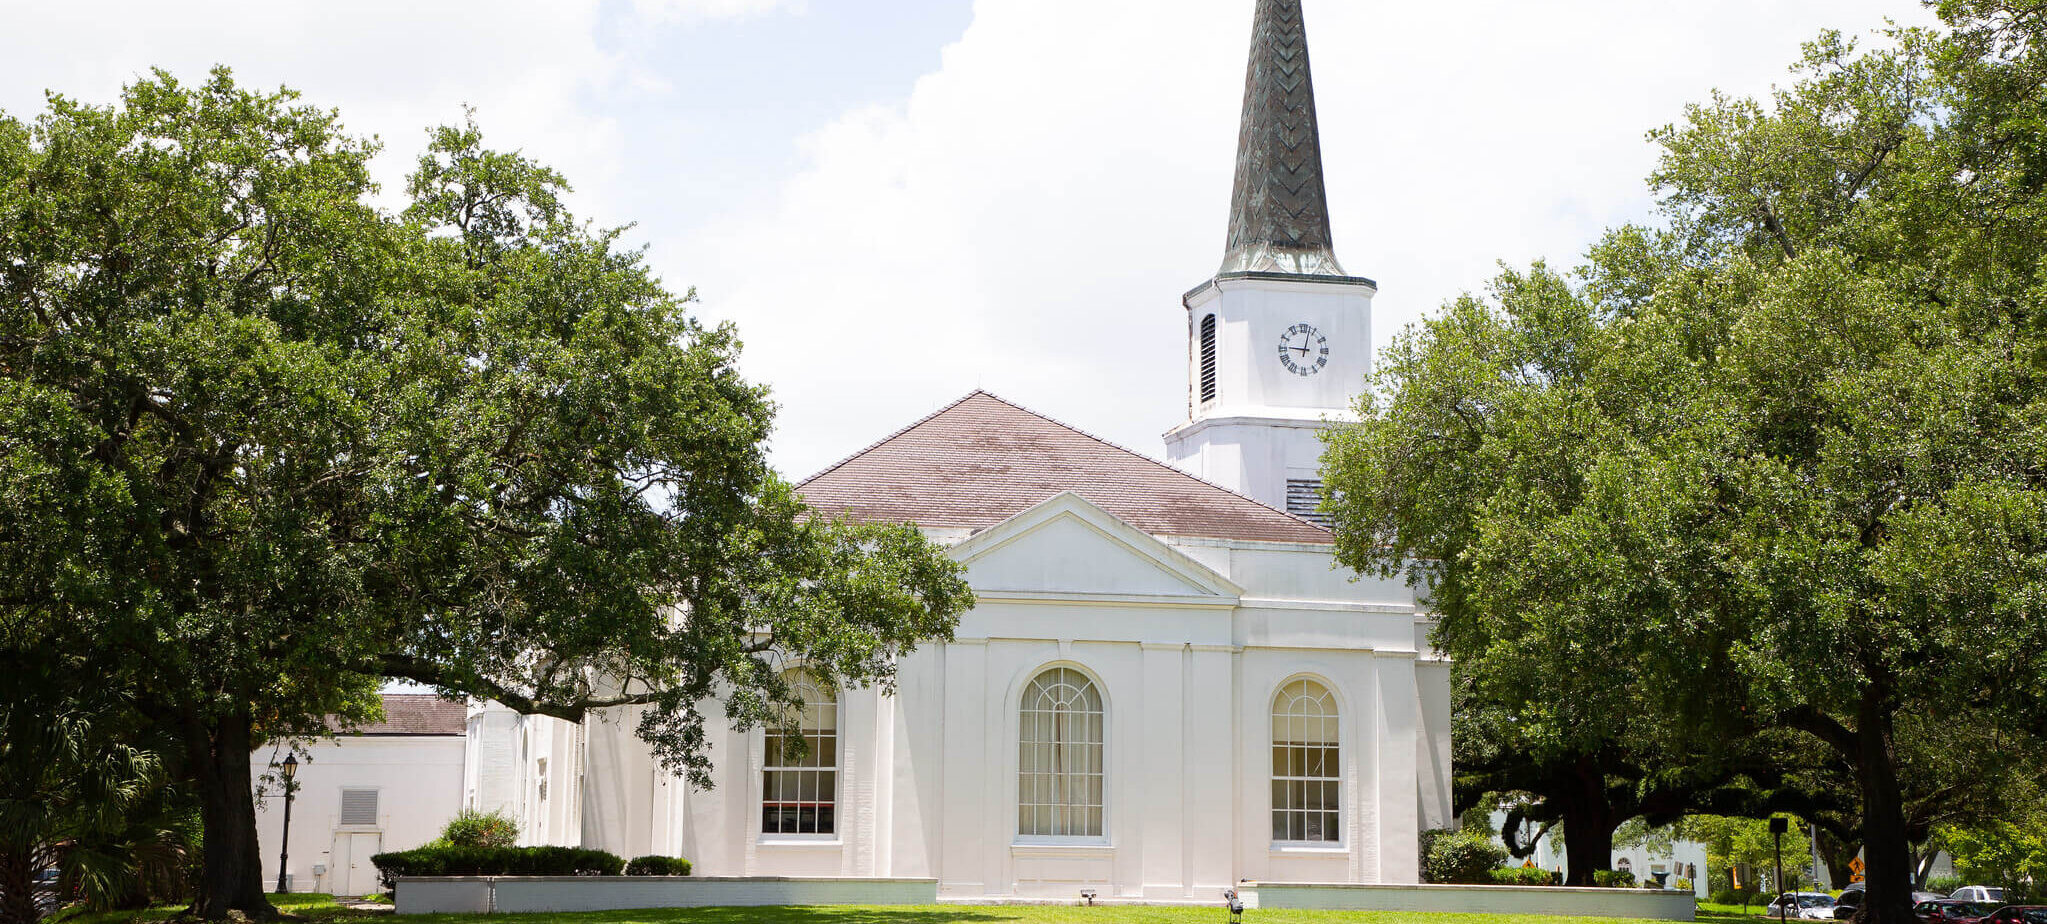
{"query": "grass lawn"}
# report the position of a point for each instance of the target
(321, 908)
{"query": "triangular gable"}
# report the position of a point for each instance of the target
(1067, 545)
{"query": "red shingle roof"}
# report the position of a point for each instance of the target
(416, 714)
(982, 460)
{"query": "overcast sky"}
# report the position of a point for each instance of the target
(899, 201)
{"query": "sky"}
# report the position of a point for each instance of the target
(900, 201)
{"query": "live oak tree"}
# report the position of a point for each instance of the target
(267, 444)
(1779, 461)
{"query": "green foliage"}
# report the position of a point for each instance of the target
(83, 789)
(657, 866)
(1772, 465)
(496, 861)
(1461, 857)
(1747, 842)
(1524, 876)
(1730, 896)
(1945, 885)
(1614, 879)
(287, 444)
(1682, 884)
(2006, 853)
(471, 828)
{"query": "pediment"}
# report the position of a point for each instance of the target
(1067, 545)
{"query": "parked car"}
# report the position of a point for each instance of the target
(2016, 914)
(1950, 911)
(1978, 894)
(1849, 900)
(1810, 906)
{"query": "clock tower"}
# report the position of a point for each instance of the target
(1280, 340)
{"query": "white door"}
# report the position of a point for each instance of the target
(354, 875)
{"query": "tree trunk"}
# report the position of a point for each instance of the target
(231, 872)
(1589, 824)
(1886, 852)
(17, 888)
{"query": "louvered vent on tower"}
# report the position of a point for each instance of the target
(1208, 359)
(1304, 500)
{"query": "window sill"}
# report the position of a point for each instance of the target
(1085, 846)
(1302, 848)
(799, 840)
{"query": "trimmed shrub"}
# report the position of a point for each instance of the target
(1725, 896)
(471, 828)
(495, 861)
(657, 866)
(1945, 885)
(1613, 879)
(1462, 857)
(1524, 876)
(1682, 884)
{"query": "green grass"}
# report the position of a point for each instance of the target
(1719, 912)
(321, 908)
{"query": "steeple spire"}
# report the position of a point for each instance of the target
(1279, 213)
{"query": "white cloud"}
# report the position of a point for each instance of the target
(392, 67)
(1026, 220)
(698, 10)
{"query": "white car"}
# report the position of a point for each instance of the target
(1978, 894)
(1807, 906)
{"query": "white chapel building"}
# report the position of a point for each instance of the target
(1168, 685)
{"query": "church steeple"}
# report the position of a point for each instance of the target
(1279, 213)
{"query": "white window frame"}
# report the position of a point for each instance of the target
(804, 680)
(1102, 774)
(1332, 775)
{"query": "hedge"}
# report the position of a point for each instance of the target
(1613, 879)
(1524, 876)
(657, 866)
(442, 860)
(1460, 856)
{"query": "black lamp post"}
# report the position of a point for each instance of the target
(1778, 825)
(289, 768)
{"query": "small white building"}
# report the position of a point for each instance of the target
(1168, 684)
(388, 786)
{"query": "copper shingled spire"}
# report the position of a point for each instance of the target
(1279, 214)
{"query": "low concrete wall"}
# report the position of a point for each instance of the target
(1655, 904)
(513, 894)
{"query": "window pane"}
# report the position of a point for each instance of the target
(1059, 766)
(1305, 766)
(798, 793)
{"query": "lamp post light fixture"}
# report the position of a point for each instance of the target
(289, 769)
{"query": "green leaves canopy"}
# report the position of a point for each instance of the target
(1777, 464)
(272, 444)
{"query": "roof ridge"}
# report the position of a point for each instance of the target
(877, 444)
(1123, 449)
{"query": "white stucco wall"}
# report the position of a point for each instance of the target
(419, 784)
(1187, 641)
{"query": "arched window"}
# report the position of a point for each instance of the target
(1208, 359)
(1059, 765)
(800, 793)
(1305, 767)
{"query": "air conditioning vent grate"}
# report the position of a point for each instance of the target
(358, 807)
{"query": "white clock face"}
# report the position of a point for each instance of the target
(1303, 350)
